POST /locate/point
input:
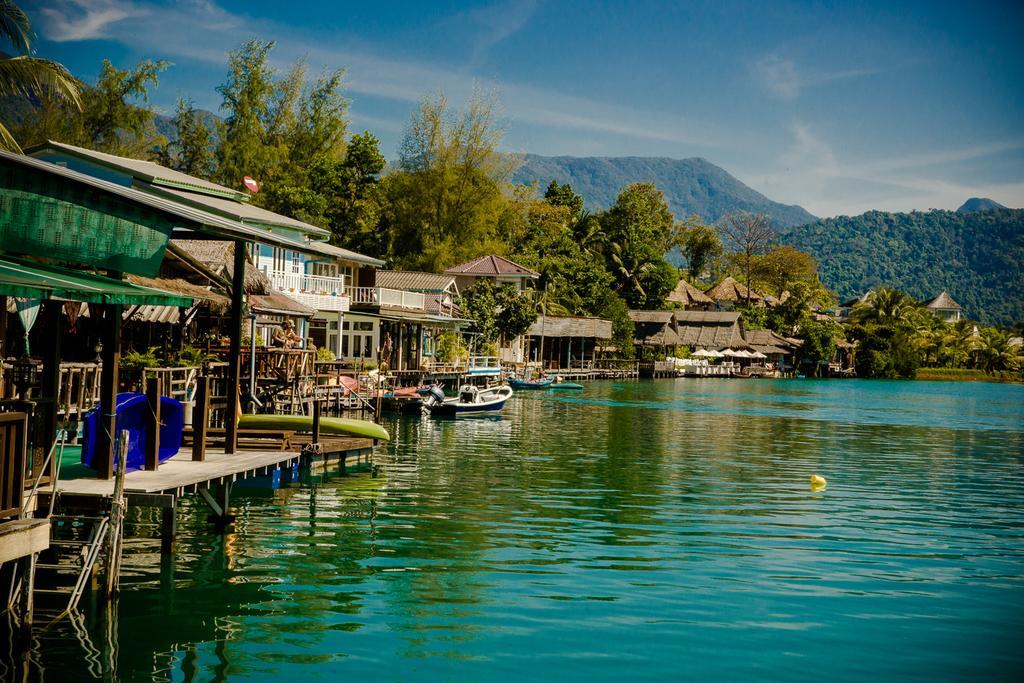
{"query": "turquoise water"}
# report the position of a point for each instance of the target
(634, 531)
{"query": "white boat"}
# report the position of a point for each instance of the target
(470, 400)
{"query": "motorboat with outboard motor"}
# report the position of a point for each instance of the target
(471, 399)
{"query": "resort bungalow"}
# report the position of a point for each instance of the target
(779, 350)
(501, 271)
(690, 298)
(564, 342)
(656, 330)
(711, 330)
(945, 308)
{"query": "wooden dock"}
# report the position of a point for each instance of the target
(211, 479)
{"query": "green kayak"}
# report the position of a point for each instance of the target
(328, 425)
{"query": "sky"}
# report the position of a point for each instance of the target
(841, 107)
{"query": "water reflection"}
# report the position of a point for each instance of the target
(639, 529)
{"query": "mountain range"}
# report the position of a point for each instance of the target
(975, 255)
(691, 186)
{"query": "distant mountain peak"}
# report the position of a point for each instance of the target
(691, 186)
(979, 204)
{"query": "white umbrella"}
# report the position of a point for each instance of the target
(758, 354)
(732, 352)
(742, 354)
(716, 354)
(703, 353)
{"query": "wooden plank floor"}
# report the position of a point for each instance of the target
(181, 474)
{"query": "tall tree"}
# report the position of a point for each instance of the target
(191, 151)
(700, 244)
(782, 267)
(747, 235)
(247, 97)
(446, 197)
(114, 117)
(564, 195)
(26, 76)
(637, 232)
(354, 215)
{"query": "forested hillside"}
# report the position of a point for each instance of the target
(691, 186)
(978, 257)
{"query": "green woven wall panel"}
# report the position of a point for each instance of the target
(53, 217)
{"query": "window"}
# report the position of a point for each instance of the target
(296, 262)
(344, 345)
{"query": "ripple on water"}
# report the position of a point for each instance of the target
(636, 530)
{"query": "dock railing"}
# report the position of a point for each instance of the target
(13, 451)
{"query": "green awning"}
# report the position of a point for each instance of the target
(36, 281)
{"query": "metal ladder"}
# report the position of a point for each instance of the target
(71, 556)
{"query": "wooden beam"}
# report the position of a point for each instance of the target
(111, 355)
(154, 389)
(23, 537)
(201, 418)
(235, 352)
(50, 380)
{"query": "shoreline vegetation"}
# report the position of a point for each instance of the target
(967, 375)
(450, 198)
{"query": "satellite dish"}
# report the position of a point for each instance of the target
(251, 184)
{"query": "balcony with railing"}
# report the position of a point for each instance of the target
(321, 292)
(387, 298)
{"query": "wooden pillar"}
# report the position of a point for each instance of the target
(27, 567)
(111, 355)
(235, 332)
(316, 421)
(200, 418)
(50, 380)
(168, 529)
(154, 389)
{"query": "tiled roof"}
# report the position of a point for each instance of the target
(492, 266)
(415, 281)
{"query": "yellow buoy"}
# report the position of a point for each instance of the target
(818, 482)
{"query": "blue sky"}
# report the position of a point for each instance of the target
(839, 107)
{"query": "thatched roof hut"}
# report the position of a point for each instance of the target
(654, 328)
(711, 329)
(217, 257)
(689, 296)
(731, 290)
(576, 327)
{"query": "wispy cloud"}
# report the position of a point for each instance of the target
(783, 78)
(72, 20)
(810, 172)
(207, 31)
(495, 23)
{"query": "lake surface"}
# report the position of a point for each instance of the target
(644, 530)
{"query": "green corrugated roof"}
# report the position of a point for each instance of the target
(35, 281)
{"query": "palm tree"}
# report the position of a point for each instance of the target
(994, 351)
(887, 305)
(28, 76)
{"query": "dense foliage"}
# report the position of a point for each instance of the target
(978, 257)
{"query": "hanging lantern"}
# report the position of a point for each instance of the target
(24, 375)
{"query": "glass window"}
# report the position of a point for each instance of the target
(365, 326)
(368, 345)
(344, 345)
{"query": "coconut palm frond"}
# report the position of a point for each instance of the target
(7, 141)
(30, 76)
(15, 26)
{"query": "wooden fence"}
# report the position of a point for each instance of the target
(13, 433)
